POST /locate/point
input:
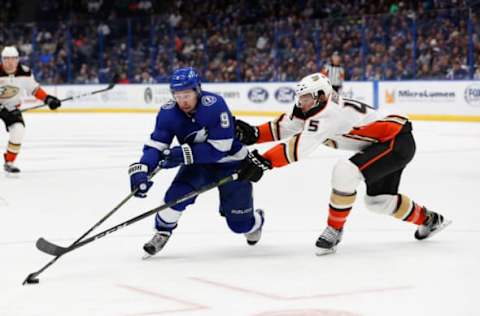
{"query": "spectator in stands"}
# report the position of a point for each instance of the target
(457, 72)
(280, 40)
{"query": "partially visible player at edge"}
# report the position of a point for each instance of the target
(383, 147)
(207, 152)
(13, 78)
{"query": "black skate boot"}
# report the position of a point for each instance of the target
(433, 224)
(10, 168)
(157, 243)
(328, 241)
(254, 237)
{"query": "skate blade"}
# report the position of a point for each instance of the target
(322, 251)
(11, 175)
(146, 256)
(439, 229)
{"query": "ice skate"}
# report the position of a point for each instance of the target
(156, 244)
(254, 237)
(10, 168)
(433, 224)
(328, 241)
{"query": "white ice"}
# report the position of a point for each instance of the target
(74, 171)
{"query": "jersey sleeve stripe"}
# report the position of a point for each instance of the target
(292, 152)
(223, 145)
(156, 144)
(277, 126)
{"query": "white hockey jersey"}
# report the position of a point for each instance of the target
(341, 123)
(11, 86)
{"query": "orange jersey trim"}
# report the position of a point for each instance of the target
(40, 94)
(379, 130)
(265, 133)
(277, 156)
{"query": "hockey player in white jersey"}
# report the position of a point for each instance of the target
(15, 77)
(383, 146)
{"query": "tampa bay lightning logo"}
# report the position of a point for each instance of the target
(169, 105)
(208, 100)
(197, 137)
(258, 95)
(285, 95)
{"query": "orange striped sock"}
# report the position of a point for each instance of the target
(409, 211)
(339, 208)
(337, 217)
(9, 156)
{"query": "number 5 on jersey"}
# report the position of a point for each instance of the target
(313, 125)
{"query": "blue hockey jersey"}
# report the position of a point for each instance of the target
(210, 132)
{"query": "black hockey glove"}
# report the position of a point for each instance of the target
(246, 133)
(253, 167)
(52, 102)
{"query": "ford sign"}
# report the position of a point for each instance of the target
(258, 95)
(285, 95)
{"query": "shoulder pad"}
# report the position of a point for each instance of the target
(169, 105)
(208, 100)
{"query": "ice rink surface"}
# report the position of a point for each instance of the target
(74, 171)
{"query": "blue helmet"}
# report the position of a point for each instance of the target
(185, 79)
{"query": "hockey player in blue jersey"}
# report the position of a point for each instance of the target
(207, 151)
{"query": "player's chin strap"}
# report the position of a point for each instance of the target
(59, 251)
(110, 87)
(43, 244)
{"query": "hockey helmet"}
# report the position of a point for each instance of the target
(9, 51)
(314, 84)
(185, 79)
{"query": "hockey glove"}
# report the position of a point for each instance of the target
(176, 156)
(52, 102)
(253, 167)
(246, 133)
(139, 179)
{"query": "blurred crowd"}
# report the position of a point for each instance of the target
(280, 40)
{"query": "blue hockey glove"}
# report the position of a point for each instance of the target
(139, 179)
(176, 156)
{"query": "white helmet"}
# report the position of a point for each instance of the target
(9, 51)
(314, 84)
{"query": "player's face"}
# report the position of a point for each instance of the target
(186, 100)
(336, 59)
(10, 64)
(306, 102)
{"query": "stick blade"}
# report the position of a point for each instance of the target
(49, 248)
(31, 279)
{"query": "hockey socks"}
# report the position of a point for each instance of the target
(339, 208)
(409, 211)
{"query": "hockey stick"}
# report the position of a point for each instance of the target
(110, 87)
(60, 251)
(42, 244)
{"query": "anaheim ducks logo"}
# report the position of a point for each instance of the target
(7, 92)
